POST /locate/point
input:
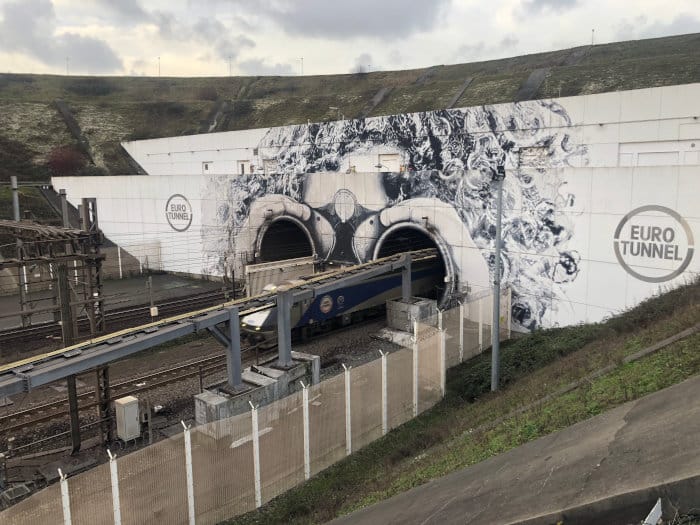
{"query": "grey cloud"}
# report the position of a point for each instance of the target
(395, 57)
(628, 29)
(204, 30)
(383, 19)
(166, 23)
(243, 23)
(639, 27)
(682, 24)
(125, 11)
(480, 50)
(470, 51)
(29, 26)
(208, 30)
(538, 6)
(257, 66)
(363, 63)
(508, 42)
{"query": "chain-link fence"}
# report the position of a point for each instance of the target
(225, 468)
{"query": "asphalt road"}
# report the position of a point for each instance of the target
(641, 444)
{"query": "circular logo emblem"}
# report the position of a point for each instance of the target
(654, 243)
(178, 211)
(326, 304)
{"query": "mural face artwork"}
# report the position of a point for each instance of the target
(443, 190)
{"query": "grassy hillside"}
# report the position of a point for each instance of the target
(109, 110)
(472, 424)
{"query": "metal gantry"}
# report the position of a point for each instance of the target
(30, 373)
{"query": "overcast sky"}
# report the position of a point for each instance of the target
(263, 37)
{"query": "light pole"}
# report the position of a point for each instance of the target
(302, 65)
(497, 178)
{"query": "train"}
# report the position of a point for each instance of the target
(343, 306)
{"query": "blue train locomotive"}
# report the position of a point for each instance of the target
(345, 305)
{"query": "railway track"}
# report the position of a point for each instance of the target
(87, 400)
(31, 416)
(43, 413)
(117, 318)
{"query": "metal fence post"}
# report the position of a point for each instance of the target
(509, 298)
(256, 454)
(190, 477)
(415, 368)
(307, 451)
(441, 356)
(348, 413)
(481, 325)
(385, 397)
(65, 498)
(461, 331)
(114, 478)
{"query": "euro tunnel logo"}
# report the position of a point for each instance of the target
(654, 243)
(178, 211)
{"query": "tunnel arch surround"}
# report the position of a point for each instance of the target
(419, 237)
(284, 237)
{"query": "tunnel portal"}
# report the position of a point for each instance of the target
(408, 238)
(284, 239)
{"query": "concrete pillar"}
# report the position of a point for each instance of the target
(74, 416)
(233, 350)
(406, 279)
(284, 328)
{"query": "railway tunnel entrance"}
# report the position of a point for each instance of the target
(407, 237)
(284, 238)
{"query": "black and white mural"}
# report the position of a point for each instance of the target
(313, 176)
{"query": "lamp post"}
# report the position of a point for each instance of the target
(497, 178)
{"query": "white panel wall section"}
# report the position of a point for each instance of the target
(581, 171)
(132, 213)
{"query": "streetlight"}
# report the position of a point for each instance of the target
(497, 177)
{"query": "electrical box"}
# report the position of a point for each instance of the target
(128, 420)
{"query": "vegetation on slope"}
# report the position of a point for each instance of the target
(472, 424)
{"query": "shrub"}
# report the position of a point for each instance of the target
(90, 87)
(207, 93)
(242, 108)
(65, 161)
(165, 109)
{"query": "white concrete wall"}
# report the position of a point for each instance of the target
(645, 127)
(580, 165)
(132, 213)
